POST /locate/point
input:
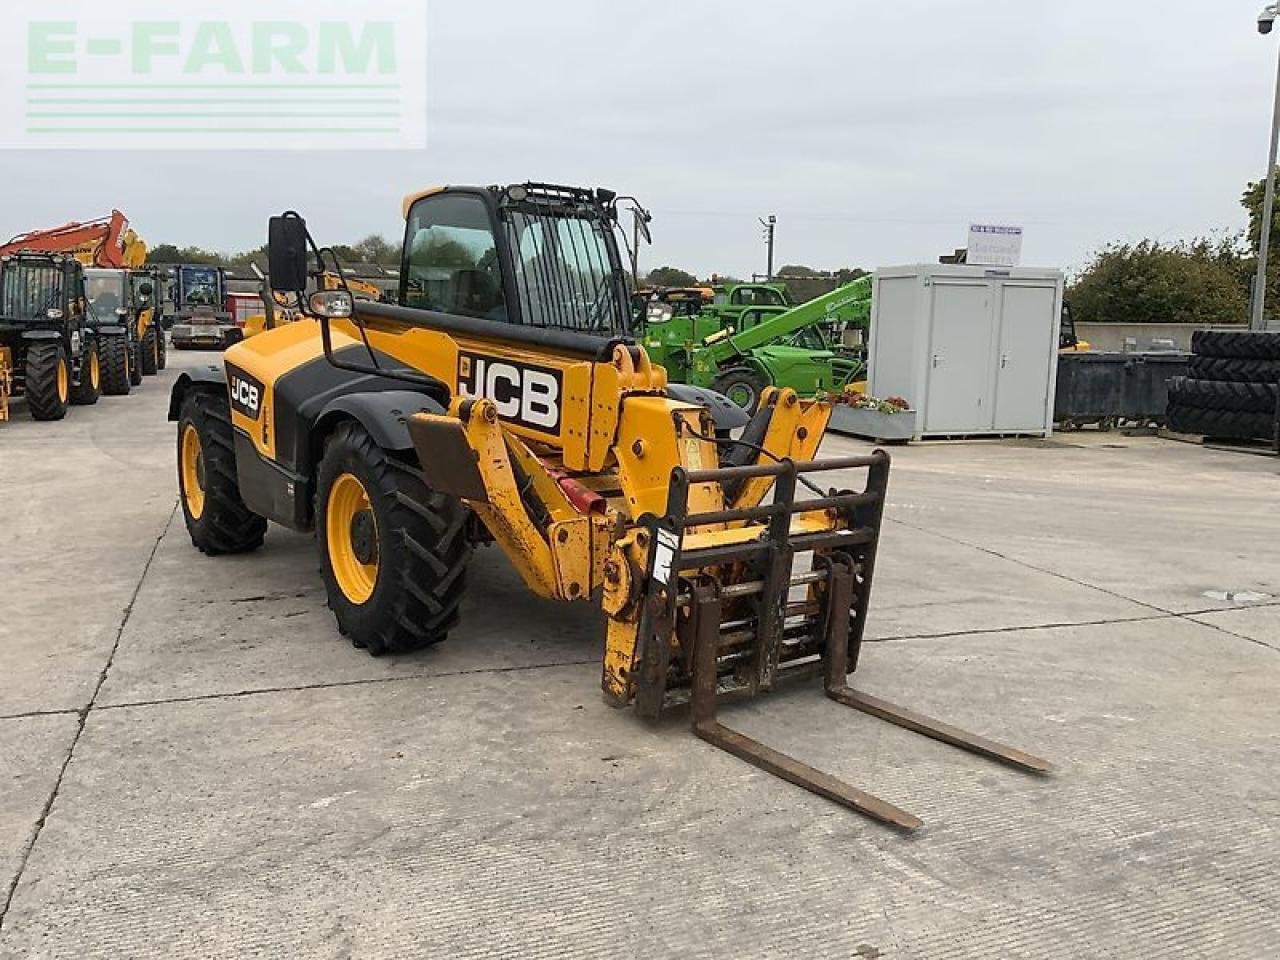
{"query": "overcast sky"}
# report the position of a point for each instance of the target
(875, 131)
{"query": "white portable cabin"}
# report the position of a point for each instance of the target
(973, 349)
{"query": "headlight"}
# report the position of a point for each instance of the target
(53, 314)
(332, 304)
(121, 312)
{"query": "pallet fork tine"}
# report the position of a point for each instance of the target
(704, 627)
(836, 659)
(835, 580)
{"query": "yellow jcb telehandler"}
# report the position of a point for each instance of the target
(504, 399)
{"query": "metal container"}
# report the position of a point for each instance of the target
(1110, 387)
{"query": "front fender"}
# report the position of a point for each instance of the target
(726, 414)
(212, 377)
(41, 335)
(384, 413)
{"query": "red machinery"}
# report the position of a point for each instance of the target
(107, 242)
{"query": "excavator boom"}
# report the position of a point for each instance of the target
(107, 242)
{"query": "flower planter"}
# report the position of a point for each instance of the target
(873, 425)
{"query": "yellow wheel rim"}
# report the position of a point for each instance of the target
(351, 536)
(64, 382)
(95, 370)
(192, 467)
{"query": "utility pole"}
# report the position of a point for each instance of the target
(770, 227)
(1258, 321)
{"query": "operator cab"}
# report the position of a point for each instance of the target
(534, 255)
(36, 290)
(108, 294)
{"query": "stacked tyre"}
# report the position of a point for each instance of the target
(1232, 391)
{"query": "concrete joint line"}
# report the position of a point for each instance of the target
(1163, 613)
(83, 716)
(340, 684)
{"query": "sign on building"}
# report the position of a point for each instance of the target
(995, 246)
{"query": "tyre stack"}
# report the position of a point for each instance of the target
(1232, 391)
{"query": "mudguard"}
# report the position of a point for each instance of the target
(384, 413)
(212, 376)
(41, 335)
(726, 414)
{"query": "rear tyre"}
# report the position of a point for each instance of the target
(1234, 369)
(742, 385)
(162, 350)
(89, 388)
(1223, 395)
(116, 381)
(392, 551)
(48, 381)
(1222, 424)
(217, 519)
(150, 351)
(135, 364)
(1242, 344)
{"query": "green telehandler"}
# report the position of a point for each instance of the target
(751, 339)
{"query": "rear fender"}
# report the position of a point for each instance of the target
(726, 414)
(384, 414)
(211, 378)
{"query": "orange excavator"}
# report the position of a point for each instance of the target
(107, 242)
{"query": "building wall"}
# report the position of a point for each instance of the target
(1110, 337)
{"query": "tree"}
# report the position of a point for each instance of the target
(796, 270)
(805, 283)
(258, 256)
(168, 253)
(1252, 200)
(376, 249)
(345, 253)
(670, 277)
(1196, 282)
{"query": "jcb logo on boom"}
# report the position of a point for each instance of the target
(246, 393)
(523, 393)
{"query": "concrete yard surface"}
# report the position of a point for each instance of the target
(193, 762)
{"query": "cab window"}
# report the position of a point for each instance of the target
(451, 259)
(757, 296)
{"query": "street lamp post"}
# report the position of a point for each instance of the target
(1266, 22)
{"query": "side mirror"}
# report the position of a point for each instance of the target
(287, 253)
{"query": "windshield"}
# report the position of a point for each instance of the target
(29, 291)
(200, 286)
(565, 270)
(105, 290)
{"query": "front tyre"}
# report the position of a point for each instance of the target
(48, 381)
(742, 385)
(89, 387)
(217, 519)
(392, 551)
(115, 365)
(135, 364)
(150, 351)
